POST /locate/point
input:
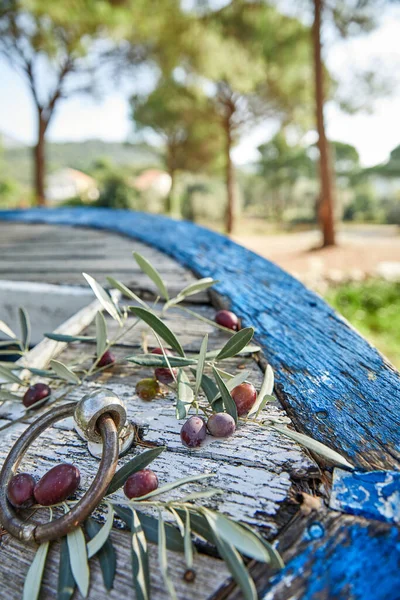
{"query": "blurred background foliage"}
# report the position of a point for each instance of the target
(218, 70)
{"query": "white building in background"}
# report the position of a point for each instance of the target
(65, 184)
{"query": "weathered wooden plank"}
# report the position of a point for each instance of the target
(329, 378)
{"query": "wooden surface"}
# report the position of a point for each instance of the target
(332, 383)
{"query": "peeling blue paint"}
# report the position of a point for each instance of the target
(322, 366)
(355, 563)
(374, 495)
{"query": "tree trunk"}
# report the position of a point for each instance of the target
(230, 179)
(40, 161)
(326, 203)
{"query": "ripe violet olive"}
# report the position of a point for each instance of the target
(221, 425)
(147, 389)
(140, 483)
(227, 319)
(163, 374)
(193, 432)
(244, 396)
(57, 484)
(20, 490)
(108, 358)
(34, 393)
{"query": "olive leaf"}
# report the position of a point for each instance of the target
(98, 541)
(233, 382)
(104, 298)
(174, 484)
(79, 559)
(106, 555)
(236, 343)
(8, 375)
(126, 291)
(150, 528)
(162, 557)
(64, 372)
(6, 329)
(101, 334)
(267, 388)
(159, 327)
(152, 273)
(275, 559)
(33, 579)
(211, 391)
(140, 559)
(25, 327)
(188, 541)
(227, 399)
(62, 337)
(184, 396)
(200, 364)
(314, 446)
(191, 289)
(249, 349)
(6, 395)
(136, 464)
(158, 360)
(66, 581)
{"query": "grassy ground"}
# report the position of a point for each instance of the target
(373, 307)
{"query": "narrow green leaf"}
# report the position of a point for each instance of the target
(314, 446)
(98, 541)
(178, 520)
(275, 559)
(201, 495)
(163, 558)
(200, 364)
(66, 581)
(104, 299)
(188, 542)
(265, 401)
(211, 391)
(234, 534)
(106, 555)
(233, 382)
(33, 579)
(152, 273)
(8, 375)
(159, 327)
(140, 559)
(41, 372)
(64, 372)
(198, 523)
(184, 396)
(158, 360)
(9, 344)
(25, 327)
(190, 290)
(236, 566)
(6, 395)
(6, 329)
(250, 349)
(14, 352)
(126, 291)
(177, 483)
(133, 466)
(101, 334)
(236, 343)
(267, 388)
(150, 528)
(79, 560)
(227, 399)
(61, 337)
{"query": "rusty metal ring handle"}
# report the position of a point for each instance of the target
(34, 532)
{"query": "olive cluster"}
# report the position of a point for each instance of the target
(58, 484)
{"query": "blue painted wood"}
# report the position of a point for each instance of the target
(344, 561)
(335, 386)
(374, 495)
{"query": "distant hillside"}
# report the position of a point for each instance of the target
(78, 155)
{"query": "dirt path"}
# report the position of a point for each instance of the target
(362, 251)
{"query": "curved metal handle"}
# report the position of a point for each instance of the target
(60, 527)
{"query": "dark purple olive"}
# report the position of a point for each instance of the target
(227, 319)
(20, 490)
(140, 483)
(221, 425)
(108, 358)
(163, 374)
(147, 389)
(193, 432)
(244, 396)
(57, 484)
(34, 393)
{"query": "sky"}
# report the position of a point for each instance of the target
(82, 117)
